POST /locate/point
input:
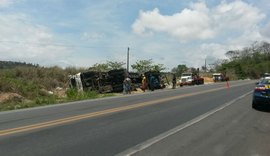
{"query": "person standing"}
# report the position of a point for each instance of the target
(174, 81)
(127, 86)
(144, 83)
(152, 82)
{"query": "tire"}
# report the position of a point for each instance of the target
(254, 106)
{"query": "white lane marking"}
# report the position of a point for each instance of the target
(150, 142)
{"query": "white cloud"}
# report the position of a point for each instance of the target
(200, 22)
(237, 15)
(22, 40)
(217, 51)
(215, 30)
(207, 32)
(5, 3)
(187, 25)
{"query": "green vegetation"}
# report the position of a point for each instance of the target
(73, 94)
(25, 85)
(105, 67)
(143, 66)
(30, 86)
(181, 68)
(250, 62)
(11, 64)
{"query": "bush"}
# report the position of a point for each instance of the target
(34, 84)
(46, 100)
(73, 94)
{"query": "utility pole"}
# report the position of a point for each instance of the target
(128, 59)
(205, 66)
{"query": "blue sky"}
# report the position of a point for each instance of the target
(81, 33)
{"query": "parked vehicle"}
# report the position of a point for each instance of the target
(266, 74)
(191, 79)
(220, 77)
(261, 93)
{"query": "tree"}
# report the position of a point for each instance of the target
(249, 62)
(158, 67)
(100, 67)
(233, 54)
(204, 68)
(115, 65)
(181, 68)
(143, 66)
(105, 67)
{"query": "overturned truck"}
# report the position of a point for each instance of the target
(102, 82)
(90, 81)
(158, 79)
(112, 81)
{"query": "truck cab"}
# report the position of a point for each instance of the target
(191, 79)
(186, 79)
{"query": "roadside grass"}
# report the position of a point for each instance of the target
(37, 85)
(72, 95)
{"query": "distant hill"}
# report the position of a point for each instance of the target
(12, 64)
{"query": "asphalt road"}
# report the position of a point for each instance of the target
(208, 119)
(234, 129)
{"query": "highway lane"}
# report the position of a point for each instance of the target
(48, 113)
(113, 131)
(235, 130)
